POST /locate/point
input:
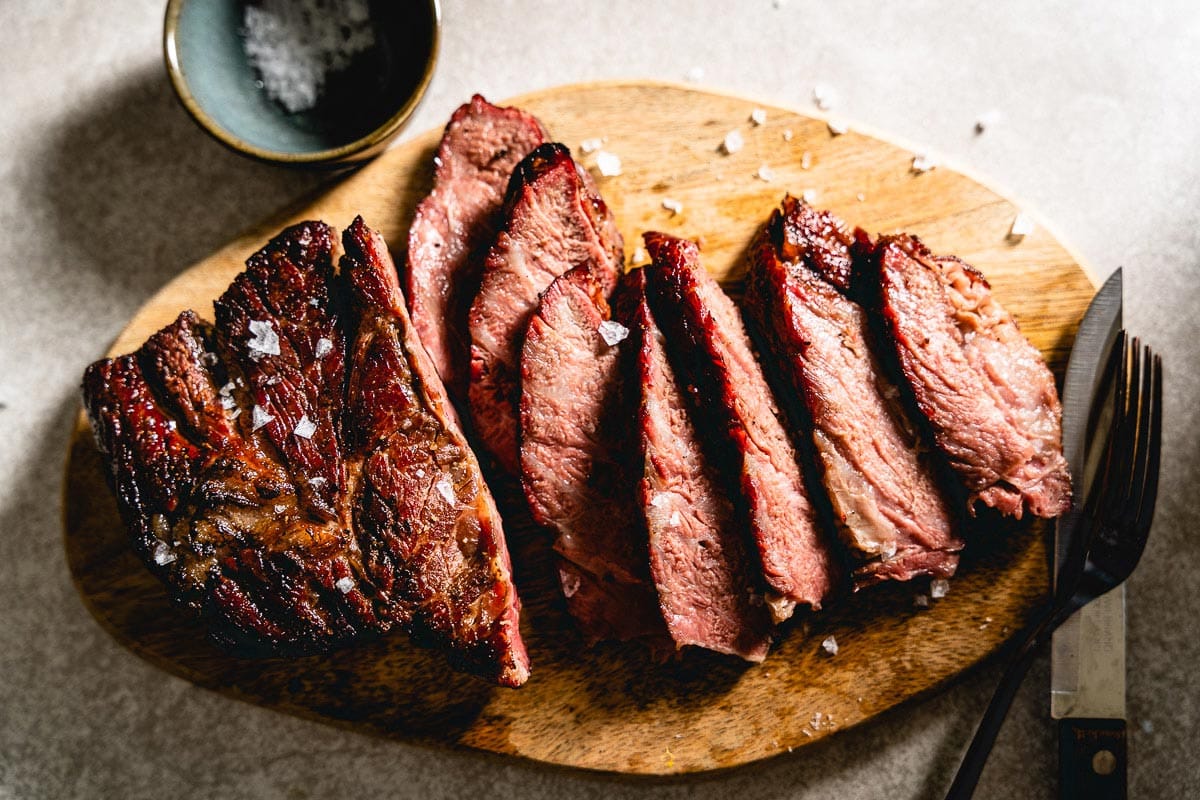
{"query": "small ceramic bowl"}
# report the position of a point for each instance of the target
(359, 110)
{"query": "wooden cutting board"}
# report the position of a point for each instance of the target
(609, 708)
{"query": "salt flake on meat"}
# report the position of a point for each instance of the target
(612, 332)
(264, 341)
(324, 347)
(259, 417)
(305, 428)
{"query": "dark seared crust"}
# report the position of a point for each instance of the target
(575, 470)
(984, 390)
(891, 514)
(455, 224)
(424, 517)
(554, 221)
(707, 586)
(240, 522)
(727, 385)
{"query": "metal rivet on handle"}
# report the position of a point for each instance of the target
(1104, 762)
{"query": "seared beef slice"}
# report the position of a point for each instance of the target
(984, 389)
(574, 460)
(235, 458)
(554, 221)
(426, 522)
(456, 223)
(891, 514)
(702, 571)
(707, 339)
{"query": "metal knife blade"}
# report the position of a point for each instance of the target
(1087, 661)
(1087, 658)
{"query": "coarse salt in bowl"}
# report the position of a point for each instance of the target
(302, 82)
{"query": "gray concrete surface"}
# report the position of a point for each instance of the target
(107, 190)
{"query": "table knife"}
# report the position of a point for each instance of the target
(1087, 659)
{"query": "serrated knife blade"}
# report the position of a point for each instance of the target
(1087, 659)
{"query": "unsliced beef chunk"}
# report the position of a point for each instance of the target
(706, 580)
(554, 221)
(726, 384)
(984, 389)
(285, 509)
(456, 223)
(892, 516)
(575, 466)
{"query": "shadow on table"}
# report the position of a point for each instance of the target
(138, 191)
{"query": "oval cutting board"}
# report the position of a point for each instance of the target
(608, 708)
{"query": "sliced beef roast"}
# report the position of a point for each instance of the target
(984, 389)
(456, 223)
(575, 468)
(554, 221)
(292, 515)
(704, 575)
(727, 385)
(891, 514)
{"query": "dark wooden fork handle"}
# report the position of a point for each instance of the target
(1092, 763)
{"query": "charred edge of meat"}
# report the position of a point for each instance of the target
(818, 239)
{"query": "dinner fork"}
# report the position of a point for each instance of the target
(1108, 543)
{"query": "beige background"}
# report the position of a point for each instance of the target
(107, 190)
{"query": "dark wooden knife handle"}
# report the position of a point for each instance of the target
(1092, 761)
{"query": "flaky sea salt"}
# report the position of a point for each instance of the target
(344, 585)
(225, 395)
(608, 163)
(922, 163)
(809, 196)
(314, 302)
(805, 160)
(295, 45)
(674, 519)
(830, 645)
(787, 135)
(305, 428)
(836, 128)
(591, 145)
(612, 332)
(765, 173)
(824, 97)
(263, 341)
(445, 490)
(570, 583)
(674, 206)
(1021, 227)
(758, 116)
(660, 499)
(259, 417)
(732, 142)
(860, 197)
(324, 347)
(163, 554)
(639, 255)
(921, 601)
(208, 359)
(939, 588)
(316, 482)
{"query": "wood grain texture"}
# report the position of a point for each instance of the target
(609, 708)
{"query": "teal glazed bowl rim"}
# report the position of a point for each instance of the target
(358, 150)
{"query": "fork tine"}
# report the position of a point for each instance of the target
(1113, 490)
(1142, 451)
(1150, 492)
